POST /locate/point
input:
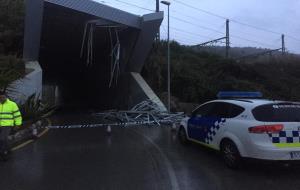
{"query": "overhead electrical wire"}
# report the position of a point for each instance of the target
(191, 17)
(208, 28)
(192, 40)
(233, 20)
(221, 27)
(253, 41)
(201, 10)
(197, 25)
(217, 31)
(176, 18)
(176, 33)
(191, 33)
(134, 5)
(187, 40)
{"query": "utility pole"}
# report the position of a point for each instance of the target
(169, 67)
(227, 38)
(157, 5)
(282, 44)
(157, 10)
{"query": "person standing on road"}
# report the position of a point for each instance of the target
(10, 117)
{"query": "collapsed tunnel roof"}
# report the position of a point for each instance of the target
(147, 25)
(101, 11)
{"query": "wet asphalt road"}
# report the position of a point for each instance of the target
(131, 158)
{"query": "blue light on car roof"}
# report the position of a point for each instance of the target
(238, 94)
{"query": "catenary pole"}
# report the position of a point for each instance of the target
(282, 44)
(157, 10)
(227, 38)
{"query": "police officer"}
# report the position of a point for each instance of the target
(10, 117)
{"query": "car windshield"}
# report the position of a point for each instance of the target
(281, 112)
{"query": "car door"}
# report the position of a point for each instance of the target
(203, 124)
(196, 124)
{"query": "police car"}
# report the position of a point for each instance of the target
(240, 125)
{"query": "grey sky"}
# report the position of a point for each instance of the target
(281, 16)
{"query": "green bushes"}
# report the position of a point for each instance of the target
(34, 109)
(11, 26)
(11, 41)
(198, 76)
(11, 69)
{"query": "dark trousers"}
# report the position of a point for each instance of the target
(4, 132)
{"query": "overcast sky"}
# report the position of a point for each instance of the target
(277, 16)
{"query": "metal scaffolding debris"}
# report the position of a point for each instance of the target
(146, 113)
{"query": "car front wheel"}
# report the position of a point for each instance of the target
(182, 136)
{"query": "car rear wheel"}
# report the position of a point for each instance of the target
(230, 154)
(182, 136)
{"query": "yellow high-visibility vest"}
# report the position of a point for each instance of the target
(10, 114)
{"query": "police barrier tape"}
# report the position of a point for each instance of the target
(125, 124)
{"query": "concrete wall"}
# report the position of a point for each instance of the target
(29, 85)
(149, 28)
(32, 32)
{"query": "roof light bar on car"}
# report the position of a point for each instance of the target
(237, 94)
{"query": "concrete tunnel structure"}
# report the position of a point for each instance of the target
(91, 52)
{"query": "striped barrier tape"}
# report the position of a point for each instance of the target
(121, 124)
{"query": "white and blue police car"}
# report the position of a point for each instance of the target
(242, 125)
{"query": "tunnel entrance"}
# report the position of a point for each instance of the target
(82, 83)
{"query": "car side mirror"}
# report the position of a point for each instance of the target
(195, 115)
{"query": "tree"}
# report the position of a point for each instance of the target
(11, 69)
(11, 41)
(11, 26)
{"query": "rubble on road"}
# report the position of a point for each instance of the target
(145, 113)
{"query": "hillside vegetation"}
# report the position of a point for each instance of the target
(11, 41)
(198, 76)
(11, 26)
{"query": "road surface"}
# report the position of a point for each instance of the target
(131, 158)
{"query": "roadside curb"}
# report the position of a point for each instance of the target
(27, 141)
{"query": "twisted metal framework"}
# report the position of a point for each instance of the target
(115, 58)
(88, 42)
(146, 113)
